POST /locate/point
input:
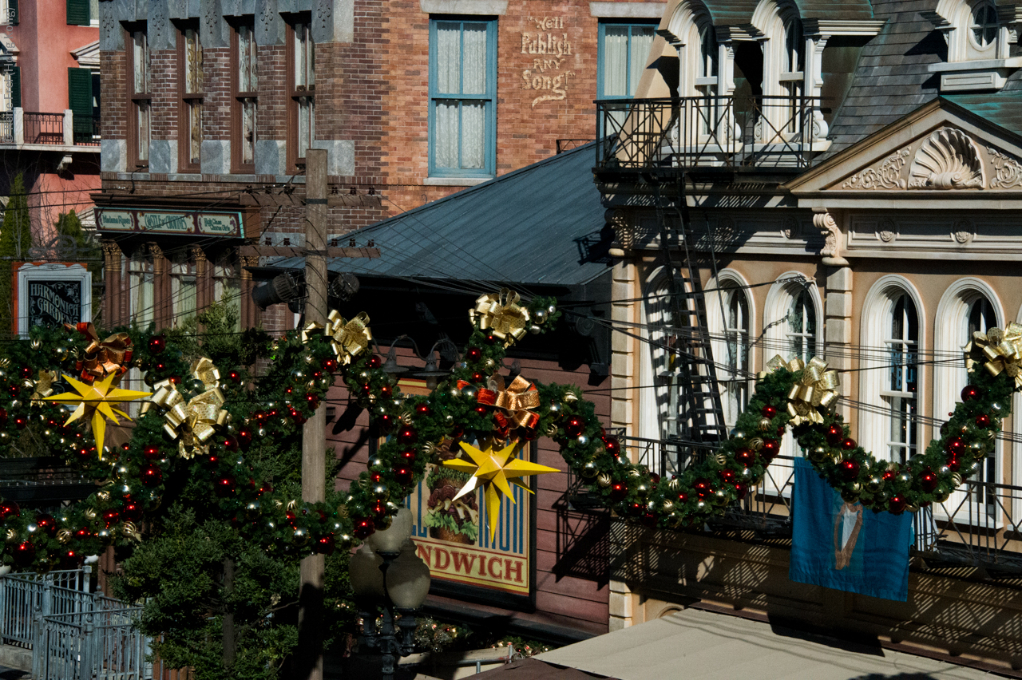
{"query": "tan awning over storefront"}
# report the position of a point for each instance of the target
(706, 645)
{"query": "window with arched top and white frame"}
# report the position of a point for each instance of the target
(660, 387)
(791, 324)
(969, 305)
(890, 376)
(784, 67)
(699, 62)
(729, 315)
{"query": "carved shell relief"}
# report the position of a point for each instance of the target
(948, 159)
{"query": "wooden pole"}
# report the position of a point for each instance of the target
(310, 617)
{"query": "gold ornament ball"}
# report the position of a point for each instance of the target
(570, 396)
(941, 496)
(604, 480)
(819, 454)
(590, 470)
(64, 536)
(720, 497)
(764, 424)
(103, 496)
(381, 491)
(849, 495)
(668, 506)
(11, 536)
(634, 472)
(874, 484)
(912, 507)
(36, 343)
(674, 484)
(721, 459)
(737, 434)
(642, 489)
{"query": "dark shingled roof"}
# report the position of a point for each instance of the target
(540, 225)
(739, 12)
(891, 78)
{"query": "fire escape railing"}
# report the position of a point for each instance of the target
(732, 133)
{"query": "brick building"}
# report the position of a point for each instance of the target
(413, 99)
(49, 107)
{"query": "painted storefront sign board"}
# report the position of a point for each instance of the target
(215, 224)
(51, 294)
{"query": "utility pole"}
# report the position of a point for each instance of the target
(310, 616)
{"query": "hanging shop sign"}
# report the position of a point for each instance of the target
(51, 294)
(453, 538)
(216, 224)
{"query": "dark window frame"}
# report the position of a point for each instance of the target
(185, 100)
(135, 100)
(237, 100)
(296, 163)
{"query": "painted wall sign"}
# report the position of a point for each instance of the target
(552, 55)
(451, 537)
(223, 224)
(51, 294)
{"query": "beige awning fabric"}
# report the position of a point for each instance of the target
(706, 645)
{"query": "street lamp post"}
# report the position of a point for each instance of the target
(387, 572)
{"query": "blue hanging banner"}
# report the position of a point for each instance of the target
(844, 546)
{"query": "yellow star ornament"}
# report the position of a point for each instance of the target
(97, 398)
(494, 470)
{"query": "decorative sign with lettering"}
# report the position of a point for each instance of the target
(552, 54)
(452, 539)
(221, 224)
(51, 295)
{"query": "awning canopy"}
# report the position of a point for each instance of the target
(694, 643)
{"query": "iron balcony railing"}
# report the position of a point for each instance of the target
(85, 130)
(6, 127)
(44, 128)
(22, 127)
(732, 133)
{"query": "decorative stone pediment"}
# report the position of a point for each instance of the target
(939, 153)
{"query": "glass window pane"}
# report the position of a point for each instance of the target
(473, 135)
(642, 41)
(615, 61)
(445, 151)
(448, 57)
(474, 77)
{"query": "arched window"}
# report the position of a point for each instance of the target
(660, 397)
(983, 26)
(706, 79)
(782, 106)
(801, 327)
(792, 75)
(729, 317)
(968, 306)
(889, 375)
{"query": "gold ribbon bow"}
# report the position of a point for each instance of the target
(501, 314)
(102, 357)
(515, 401)
(348, 338)
(43, 387)
(816, 389)
(1000, 351)
(193, 423)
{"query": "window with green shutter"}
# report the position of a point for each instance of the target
(79, 100)
(78, 13)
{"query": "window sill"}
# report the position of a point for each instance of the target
(970, 76)
(454, 181)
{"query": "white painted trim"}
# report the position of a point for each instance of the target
(487, 7)
(648, 420)
(52, 272)
(876, 309)
(829, 27)
(454, 181)
(772, 335)
(1016, 446)
(627, 10)
(948, 341)
(716, 302)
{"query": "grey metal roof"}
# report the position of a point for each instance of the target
(540, 225)
(891, 78)
(739, 12)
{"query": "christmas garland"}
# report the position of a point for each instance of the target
(194, 432)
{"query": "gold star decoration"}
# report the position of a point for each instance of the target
(97, 398)
(494, 470)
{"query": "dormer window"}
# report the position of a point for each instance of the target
(977, 46)
(705, 83)
(984, 26)
(792, 77)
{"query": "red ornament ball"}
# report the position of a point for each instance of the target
(613, 446)
(312, 400)
(326, 545)
(21, 422)
(954, 463)
(481, 410)
(26, 373)
(682, 497)
(407, 435)
(403, 476)
(132, 512)
(745, 456)
(473, 354)
(770, 449)
(769, 412)
(245, 437)
(897, 505)
(423, 409)
(329, 365)
(152, 453)
(224, 487)
(157, 344)
(151, 475)
(374, 362)
(478, 377)
(648, 520)
(849, 469)
(386, 421)
(848, 444)
(230, 442)
(46, 523)
(928, 481)
(298, 418)
(728, 475)
(742, 489)
(702, 487)
(618, 491)
(386, 390)
(970, 392)
(835, 433)
(574, 427)
(111, 517)
(234, 377)
(24, 554)
(364, 528)
(408, 455)
(175, 379)
(955, 446)
(983, 420)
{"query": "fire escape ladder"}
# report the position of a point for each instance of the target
(701, 417)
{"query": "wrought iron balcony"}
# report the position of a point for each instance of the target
(61, 132)
(727, 133)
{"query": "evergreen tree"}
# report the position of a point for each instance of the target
(15, 241)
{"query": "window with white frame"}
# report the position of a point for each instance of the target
(978, 45)
(245, 102)
(139, 128)
(621, 57)
(302, 79)
(190, 88)
(227, 286)
(729, 316)
(141, 282)
(782, 106)
(968, 306)
(889, 375)
(800, 324)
